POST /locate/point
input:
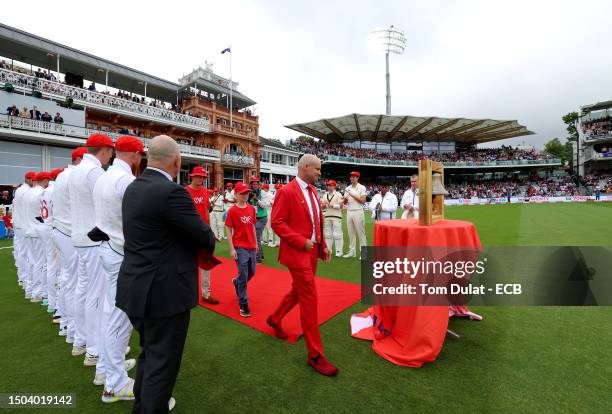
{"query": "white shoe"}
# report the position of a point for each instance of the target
(91, 360)
(28, 296)
(62, 332)
(127, 350)
(126, 393)
(129, 364)
(338, 254)
(171, 403)
(99, 379)
(349, 254)
(78, 350)
(69, 339)
(36, 299)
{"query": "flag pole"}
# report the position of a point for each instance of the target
(231, 108)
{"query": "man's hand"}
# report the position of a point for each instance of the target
(378, 205)
(326, 255)
(308, 246)
(233, 253)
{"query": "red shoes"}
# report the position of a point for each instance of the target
(279, 332)
(323, 366)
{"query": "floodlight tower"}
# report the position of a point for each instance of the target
(393, 41)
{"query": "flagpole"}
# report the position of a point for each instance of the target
(231, 93)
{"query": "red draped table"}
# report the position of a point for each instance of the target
(412, 335)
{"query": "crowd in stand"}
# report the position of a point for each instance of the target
(35, 114)
(599, 181)
(504, 153)
(47, 82)
(597, 127)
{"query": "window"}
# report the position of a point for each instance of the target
(265, 156)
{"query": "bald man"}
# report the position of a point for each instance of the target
(158, 278)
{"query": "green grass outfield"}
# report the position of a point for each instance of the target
(522, 359)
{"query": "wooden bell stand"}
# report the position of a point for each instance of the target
(431, 207)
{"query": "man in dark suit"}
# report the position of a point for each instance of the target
(158, 280)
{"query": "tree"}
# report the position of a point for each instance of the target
(570, 120)
(555, 148)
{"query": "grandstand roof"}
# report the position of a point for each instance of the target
(597, 106)
(38, 51)
(390, 128)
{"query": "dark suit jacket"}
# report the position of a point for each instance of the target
(163, 233)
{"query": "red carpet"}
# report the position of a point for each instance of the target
(267, 288)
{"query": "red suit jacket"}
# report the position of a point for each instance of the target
(292, 222)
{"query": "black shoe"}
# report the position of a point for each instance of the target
(244, 311)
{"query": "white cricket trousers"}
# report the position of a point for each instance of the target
(53, 266)
(117, 325)
(37, 260)
(355, 222)
(332, 231)
(69, 261)
(21, 261)
(217, 224)
(89, 294)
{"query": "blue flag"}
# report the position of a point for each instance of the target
(229, 49)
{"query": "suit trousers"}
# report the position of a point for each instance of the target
(216, 224)
(116, 324)
(205, 279)
(355, 221)
(332, 229)
(304, 292)
(161, 341)
(68, 280)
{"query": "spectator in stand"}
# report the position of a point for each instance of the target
(46, 117)
(92, 87)
(35, 113)
(6, 199)
(12, 110)
(24, 113)
(58, 118)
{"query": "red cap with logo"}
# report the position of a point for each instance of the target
(331, 183)
(129, 144)
(355, 174)
(198, 172)
(30, 175)
(265, 186)
(230, 185)
(79, 152)
(99, 141)
(254, 180)
(56, 172)
(241, 188)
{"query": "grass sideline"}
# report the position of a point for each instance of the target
(517, 360)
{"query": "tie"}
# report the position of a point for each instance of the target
(317, 219)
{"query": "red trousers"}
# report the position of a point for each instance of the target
(304, 292)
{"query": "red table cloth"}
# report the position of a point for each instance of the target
(413, 335)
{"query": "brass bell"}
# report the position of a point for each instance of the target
(437, 186)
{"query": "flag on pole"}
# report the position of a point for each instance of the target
(228, 49)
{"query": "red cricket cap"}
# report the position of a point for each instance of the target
(265, 186)
(99, 140)
(278, 186)
(254, 180)
(355, 173)
(30, 175)
(129, 144)
(198, 171)
(229, 185)
(242, 188)
(56, 172)
(215, 190)
(79, 152)
(331, 182)
(43, 175)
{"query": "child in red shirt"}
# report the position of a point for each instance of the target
(240, 223)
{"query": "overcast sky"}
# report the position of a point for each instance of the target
(532, 61)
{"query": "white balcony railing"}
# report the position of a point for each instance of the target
(238, 159)
(25, 124)
(89, 98)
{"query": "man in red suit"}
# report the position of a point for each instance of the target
(298, 221)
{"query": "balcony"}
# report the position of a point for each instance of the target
(236, 159)
(233, 131)
(10, 123)
(459, 164)
(27, 84)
